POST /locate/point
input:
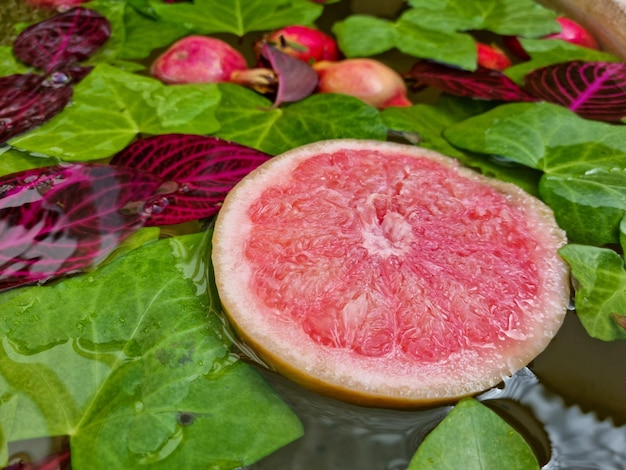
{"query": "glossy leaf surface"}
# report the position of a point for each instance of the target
(110, 107)
(483, 83)
(201, 171)
(217, 16)
(62, 40)
(594, 90)
(28, 100)
(63, 219)
(473, 437)
(144, 381)
(249, 119)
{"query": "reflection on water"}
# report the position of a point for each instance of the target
(341, 436)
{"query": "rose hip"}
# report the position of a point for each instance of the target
(302, 42)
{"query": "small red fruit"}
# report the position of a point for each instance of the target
(367, 79)
(198, 59)
(492, 57)
(571, 32)
(304, 43)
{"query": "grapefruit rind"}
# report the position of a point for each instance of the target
(384, 379)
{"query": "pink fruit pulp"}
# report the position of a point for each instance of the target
(388, 272)
(198, 59)
(367, 79)
(306, 44)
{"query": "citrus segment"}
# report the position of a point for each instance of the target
(387, 274)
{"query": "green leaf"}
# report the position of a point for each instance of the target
(544, 52)
(427, 123)
(422, 29)
(9, 64)
(131, 362)
(472, 437)
(584, 162)
(249, 119)
(133, 34)
(13, 160)
(590, 205)
(110, 107)
(240, 17)
(600, 283)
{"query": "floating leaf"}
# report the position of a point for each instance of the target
(422, 29)
(218, 16)
(145, 381)
(296, 79)
(473, 437)
(110, 107)
(62, 40)
(201, 170)
(483, 83)
(594, 90)
(28, 100)
(249, 119)
(63, 219)
(600, 284)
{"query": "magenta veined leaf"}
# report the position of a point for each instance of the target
(593, 90)
(29, 100)
(63, 40)
(197, 172)
(65, 218)
(296, 79)
(483, 83)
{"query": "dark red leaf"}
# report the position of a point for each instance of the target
(58, 461)
(62, 40)
(594, 90)
(27, 101)
(63, 219)
(483, 83)
(296, 79)
(197, 171)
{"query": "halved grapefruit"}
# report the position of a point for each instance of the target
(386, 274)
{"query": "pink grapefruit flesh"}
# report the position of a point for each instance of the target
(386, 274)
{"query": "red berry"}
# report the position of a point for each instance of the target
(492, 57)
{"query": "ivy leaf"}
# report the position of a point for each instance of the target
(249, 119)
(427, 123)
(422, 29)
(600, 284)
(132, 384)
(13, 160)
(134, 35)
(584, 162)
(218, 16)
(110, 107)
(472, 437)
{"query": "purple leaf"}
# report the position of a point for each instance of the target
(27, 101)
(296, 79)
(483, 83)
(197, 172)
(594, 90)
(62, 40)
(63, 219)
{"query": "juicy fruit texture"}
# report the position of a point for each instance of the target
(198, 59)
(386, 274)
(367, 79)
